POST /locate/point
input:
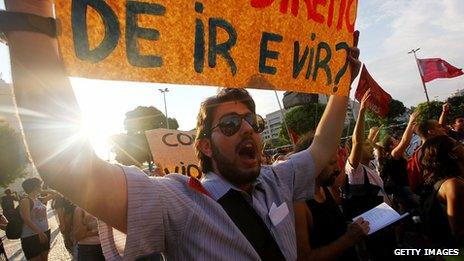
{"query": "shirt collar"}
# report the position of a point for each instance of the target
(217, 186)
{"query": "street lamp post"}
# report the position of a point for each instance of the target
(164, 91)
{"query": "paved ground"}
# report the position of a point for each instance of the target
(57, 249)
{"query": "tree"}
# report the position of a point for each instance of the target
(131, 148)
(302, 119)
(13, 158)
(429, 110)
(276, 142)
(147, 118)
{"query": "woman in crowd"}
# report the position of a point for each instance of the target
(363, 174)
(442, 193)
(85, 231)
(359, 164)
(35, 237)
(394, 171)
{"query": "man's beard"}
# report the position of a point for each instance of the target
(229, 171)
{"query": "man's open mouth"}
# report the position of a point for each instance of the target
(248, 153)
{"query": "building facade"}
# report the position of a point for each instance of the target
(274, 123)
(458, 93)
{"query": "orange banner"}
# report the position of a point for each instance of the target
(268, 44)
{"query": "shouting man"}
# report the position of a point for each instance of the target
(240, 210)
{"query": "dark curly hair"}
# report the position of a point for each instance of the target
(438, 159)
(424, 126)
(205, 118)
(30, 184)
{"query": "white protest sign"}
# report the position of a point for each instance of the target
(173, 151)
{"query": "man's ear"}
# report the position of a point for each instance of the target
(204, 146)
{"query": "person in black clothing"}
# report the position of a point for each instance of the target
(442, 194)
(8, 203)
(394, 168)
(321, 229)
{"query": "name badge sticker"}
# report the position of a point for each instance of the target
(277, 214)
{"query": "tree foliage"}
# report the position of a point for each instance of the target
(430, 110)
(13, 159)
(302, 119)
(147, 118)
(433, 109)
(131, 148)
(276, 142)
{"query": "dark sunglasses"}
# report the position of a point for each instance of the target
(231, 123)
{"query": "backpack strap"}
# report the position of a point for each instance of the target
(247, 220)
(437, 185)
(31, 203)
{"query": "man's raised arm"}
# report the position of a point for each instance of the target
(329, 129)
(50, 117)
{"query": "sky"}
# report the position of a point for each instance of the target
(389, 29)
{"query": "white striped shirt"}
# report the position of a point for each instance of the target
(167, 216)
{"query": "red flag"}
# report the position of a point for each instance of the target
(293, 136)
(379, 102)
(434, 68)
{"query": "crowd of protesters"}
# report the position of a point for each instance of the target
(429, 185)
(78, 228)
(300, 206)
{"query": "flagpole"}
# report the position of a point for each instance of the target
(283, 119)
(413, 51)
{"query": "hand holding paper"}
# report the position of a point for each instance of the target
(381, 216)
(357, 230)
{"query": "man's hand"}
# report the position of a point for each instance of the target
(444, 114)
(413, 117)
(355, 64)
(358, 230)
(365, 98)
(446, 108)
(51, 194)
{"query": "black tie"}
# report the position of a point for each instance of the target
(251, 225)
